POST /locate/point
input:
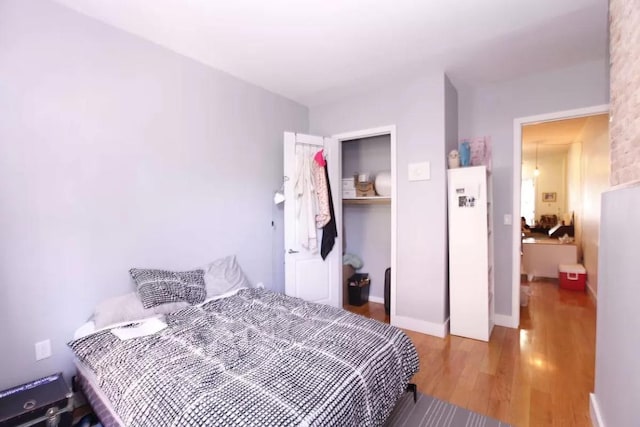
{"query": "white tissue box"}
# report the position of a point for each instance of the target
(348, 184)
(349, 194)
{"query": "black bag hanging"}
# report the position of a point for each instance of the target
(330, 230)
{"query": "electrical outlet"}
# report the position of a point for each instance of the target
(43, 349)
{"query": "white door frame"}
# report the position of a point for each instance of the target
(366, 133)
(513, 321)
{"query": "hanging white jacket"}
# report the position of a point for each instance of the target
(305, 200)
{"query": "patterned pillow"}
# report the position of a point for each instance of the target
(161, 286)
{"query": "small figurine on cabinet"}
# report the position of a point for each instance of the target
(465, 153)
(454, 159)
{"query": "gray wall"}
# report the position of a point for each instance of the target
(617, 385)
(416, 107)
(491, 111)
(367, 228)
(451, 143)
(451, 115)
(117, 153)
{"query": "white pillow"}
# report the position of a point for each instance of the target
(224, 275)
(128, 307)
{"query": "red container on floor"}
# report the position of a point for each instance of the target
(573, 277)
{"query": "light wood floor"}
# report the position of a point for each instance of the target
(538, 375)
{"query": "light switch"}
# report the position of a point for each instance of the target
(508, 219)
(419, 171)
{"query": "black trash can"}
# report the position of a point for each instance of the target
(387, 291)
(359, 285)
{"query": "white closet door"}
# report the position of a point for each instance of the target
(307, 275)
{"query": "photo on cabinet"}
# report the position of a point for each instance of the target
(466, 201)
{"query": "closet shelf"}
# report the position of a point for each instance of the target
(371, 200)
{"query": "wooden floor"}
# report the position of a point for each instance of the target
(538, 375)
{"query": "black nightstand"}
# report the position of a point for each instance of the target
(44, 402)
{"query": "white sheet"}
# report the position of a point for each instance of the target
(89, 327)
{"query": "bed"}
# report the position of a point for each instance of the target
(254, 357)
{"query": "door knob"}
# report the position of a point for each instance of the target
(291, 251)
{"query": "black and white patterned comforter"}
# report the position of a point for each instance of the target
(256, 358)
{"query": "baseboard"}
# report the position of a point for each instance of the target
(504, 320)
(594, 411)
(592, 293)
(430, 328)
(376, 299)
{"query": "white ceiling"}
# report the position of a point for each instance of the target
(315, 50)
(551, 137)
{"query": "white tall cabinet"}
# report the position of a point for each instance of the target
(471, 286)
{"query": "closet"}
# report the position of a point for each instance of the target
(366, 225)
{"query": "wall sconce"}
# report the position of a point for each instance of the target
(278, 196)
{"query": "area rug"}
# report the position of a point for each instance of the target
(431, 412)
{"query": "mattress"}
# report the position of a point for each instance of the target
(254, 358)
(96, 398)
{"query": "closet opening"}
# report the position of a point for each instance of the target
(368, 221)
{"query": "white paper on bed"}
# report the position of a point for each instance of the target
(148, 327)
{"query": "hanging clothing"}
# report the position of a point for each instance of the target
(319, 158)
(305, 200)
(323, 215)
(330, 231)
